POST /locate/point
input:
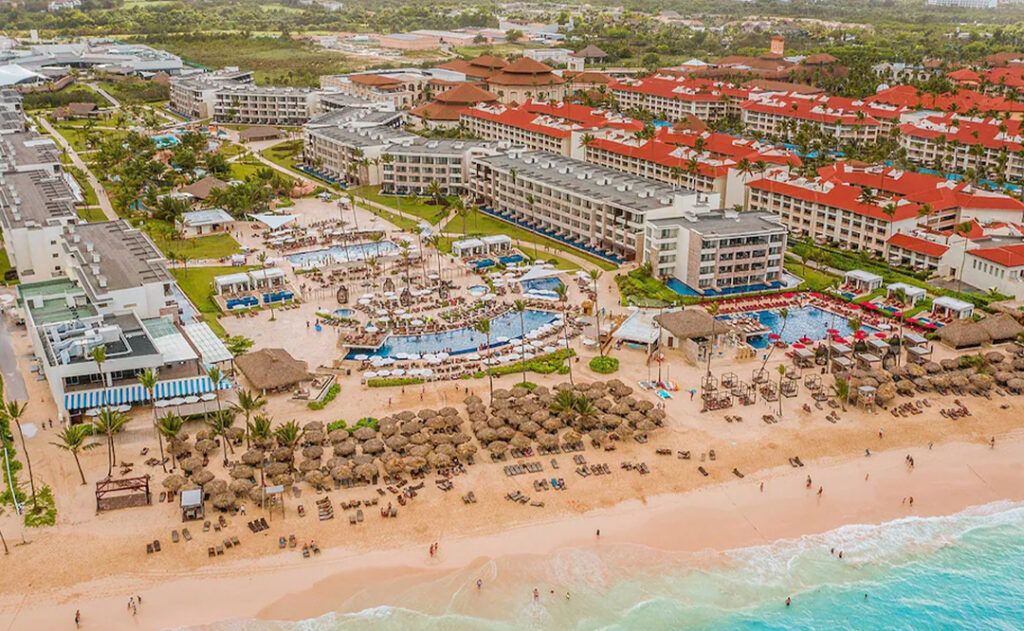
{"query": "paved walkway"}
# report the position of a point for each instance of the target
(14, 385)
(101, 193)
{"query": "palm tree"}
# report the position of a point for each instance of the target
(216, 376)
(713, 310)
(72, 439)
(14, 411)
(563, 294)
(745, 169)
(220, 425)
(2, 539)
(564, 403)
(169, 426)
(259, 427)
(594, 275)
(484, 326)
(519, 306)
(867, 196)
(148, 381)
(99, 355)
(584, 408)
(782, 374)
(110, 422)
(248, 402)
(288, 435)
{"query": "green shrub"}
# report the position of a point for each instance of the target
(563, 370)
(543, 365)
(393, 381)
(338, 424)
(529, 385)
(45, 514)
(331, 393)
(604, 365)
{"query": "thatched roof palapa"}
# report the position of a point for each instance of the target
(272, 369)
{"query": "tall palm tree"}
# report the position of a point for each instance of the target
(595, 274)
(99, 355)
(782, 375)
(216, 376)
(713, 310)
(148, 380)
(72, 439)
(519, 306)
(483, 325)
(14, 411)
(745, 169)
(220, 425)
(259, 427)
(585, 409)
(169, 426)
(248, 403)
(288, 435)
(108, 423)
(564, 404)
(563, 297)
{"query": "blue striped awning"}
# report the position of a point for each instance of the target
(135, 393)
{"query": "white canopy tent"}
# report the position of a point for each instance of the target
(273, 221)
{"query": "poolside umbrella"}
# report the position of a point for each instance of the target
(241, 486)
(346, 448)
(655, 414)
(202, 476)
(932, 368)
(206, 446)
(313, 452)
(173, 482)
(192, 464)
(880, 335)
(547, 441)
(519, 441)
(427, 413)
(994, 357)
(215, 487)
(646, 426)
(242, 471)
(981, 381)
(224, 500)
(283, 479)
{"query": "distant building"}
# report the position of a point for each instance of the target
(526, 79)
(965, 4)
(556, 56)
(231, 96)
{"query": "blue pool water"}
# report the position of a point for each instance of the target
(511, 259)
(948, 573)
(340, 254)
(809, 322)
(542, 284)
(683, 289)
(342, 313)
(478, 290)
(484, 263)
(462, 340)
(165, 141)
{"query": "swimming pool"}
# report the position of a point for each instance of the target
(478, 290)
(340, 254)
(810, 322)
(342, 313)
(462, 340)
(541, 284)
(683, 289)
(165, 141)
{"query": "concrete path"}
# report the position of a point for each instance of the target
(14, 385)
(101, 193)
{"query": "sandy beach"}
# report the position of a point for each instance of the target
(946, 479)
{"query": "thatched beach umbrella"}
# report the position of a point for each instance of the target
(283, 479)
(598, 436)
(1015, 385)
(252, 457)
(346, 448)
(439, 461)
(487, 435)
(275, 468)
(313, 452)
(342, 473)
(224, 500)
(501, 393)
(206, 446)
(427, 413)
(519, 442)
(242, 471)
(505, 432)
(419, 439)
(440, 439)
(572, 436)
(981, 381)
(241, 487)
(530, 428)
(309, 465)
(394, 466)
(173, 482)
(374, 446)
(420, 451)
(283, 454)
(313, 426)
(389, 428)
(414, 463)
(202, 476)
(364, 433)
(203, 434)
(313, 438)
(498, 447)
(466, 451)
(411, 427)
(192, 464)
(460, 437)
(904, 387)
(214, 487)
(916, 370)
(397, 442)
(949, 364)
(317, 480)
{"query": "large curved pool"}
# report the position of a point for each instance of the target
(465, 340)
(340, 254)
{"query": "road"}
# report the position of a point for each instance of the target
(14, 384)
(101, 193)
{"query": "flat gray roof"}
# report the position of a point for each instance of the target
(370, 136)
(430, 146)
(581, 178)
(723, 224)
(25, 148)
(35, 197)
(126, 257)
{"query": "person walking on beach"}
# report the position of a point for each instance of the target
(820, 490)
(479, 584)
(808, 482)
(762, 487)
(788, 601)
(992, 443)
(536, 594)
(598, 533)
(880, 433)
(78, 618)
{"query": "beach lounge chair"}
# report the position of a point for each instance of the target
(156, 545)
(703, 471)
(737, 473)
(220, 550)
(206, 526)
(352, 520)
(211, 551)
(186, 534)
(263, 523)
(174, 536)
(235, 542)
(149, 548)
(359, 515)
(227, 543)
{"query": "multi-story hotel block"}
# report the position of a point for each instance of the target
(558, 128)
(989, 146)
(676, 97)
(843, 120)
(409, 166)
(35, 206)
(349, 153)
(230, 96)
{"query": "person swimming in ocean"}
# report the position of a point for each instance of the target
(788, 601)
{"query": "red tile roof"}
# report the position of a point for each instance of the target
(820, 108)
(917, 244)
(962, 101)
(681, 88)
(839, 196)
(1007, 255)
(964, 75)
(374, 80)
(968, 131)
(525, 72)
(466, 94)
(557, 121)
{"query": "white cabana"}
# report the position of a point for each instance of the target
(912, 293)
(232, 283)
(468, 247)
(267, 277)
(273, 221)
(863, 281)
(497, 242)
(947, 306)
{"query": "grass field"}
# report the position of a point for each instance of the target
(479, 224)
(215, 246)
(274, 60)
(91, 214)
(137, 91)
(5, 265)
(400, 222)
(74, 133)
(417, 206)
(197, 283)
(283, 155)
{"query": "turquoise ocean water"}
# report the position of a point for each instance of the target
(964, 571)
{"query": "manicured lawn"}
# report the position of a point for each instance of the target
(642, 289)
(74, 133)
(283, 155)
(417, 206)
(5, 265)
(400, 222)
(242, 170)
(197, 283)
(230, 150)
(215, 246)
(813, 279)
(91, 214)
(132, 90)
(480, 224)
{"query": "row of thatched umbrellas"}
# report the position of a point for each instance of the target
(980, 372)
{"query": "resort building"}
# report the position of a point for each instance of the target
(477, 69)
(119, 269)
(964, 101)
(29, 151)
(676, 97)
(989, 146)
(35, 207)
(402, 88)
(716, 251)
(446, 109)
(559, 128)
(411, 165)
(230, 96)
(921, 249)
(526, 79)
(996, 267)
(590, 207)
(829, 211)
(704, 161)
(194, 96)
(348, 153)
(205, 222)
(842, 119)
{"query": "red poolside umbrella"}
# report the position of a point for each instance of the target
(832, 331)
(797, 345)
(860, 335)
(773, 336)
(880, 335)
